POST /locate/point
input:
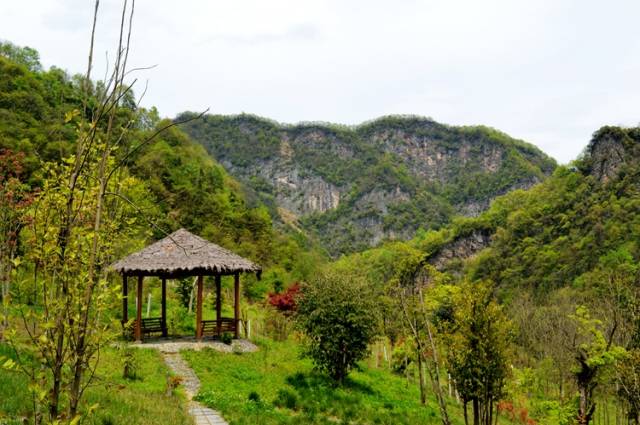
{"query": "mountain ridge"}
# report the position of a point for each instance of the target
(355, 186)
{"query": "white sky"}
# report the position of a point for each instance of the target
(547, 71)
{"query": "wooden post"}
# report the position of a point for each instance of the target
(199, 309)
(164, 307)
(236, 304)
(139, 311)
(218, 305)
(125, 300)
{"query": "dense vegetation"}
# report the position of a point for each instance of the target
(536, 321)
(394, 175)
(562, 259)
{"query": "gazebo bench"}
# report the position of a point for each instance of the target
(152, 325)
(210, 327)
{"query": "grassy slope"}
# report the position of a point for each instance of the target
(280, 378)
(120, 401)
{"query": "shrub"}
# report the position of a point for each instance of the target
(286, 302)
(226, 338)
(286, 398)
(338, 315)
(130, 364)
(254, 396)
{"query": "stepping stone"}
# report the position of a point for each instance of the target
(202, 415)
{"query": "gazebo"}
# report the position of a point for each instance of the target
(183, 254)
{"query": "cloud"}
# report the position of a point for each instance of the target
(547, 71)
(302, 32)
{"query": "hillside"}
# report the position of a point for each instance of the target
(560, 232)
(550, 253)
(353, 187)
(178, 184)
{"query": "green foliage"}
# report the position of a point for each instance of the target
(478, 349)
(338, 315)
(226, 338)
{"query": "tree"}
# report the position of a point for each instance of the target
(80, 215)
(594, 353)
(628, 378)
(418, 314)
(26, 56)
(338, 315)
(478, 350)
(15, 197)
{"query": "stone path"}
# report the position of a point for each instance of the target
(170, 351)
(202, 415)
(174, 345)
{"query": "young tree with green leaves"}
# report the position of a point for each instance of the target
(337, 313)
(594, 354)
(478, 352)
(84, 210)
(418, 303)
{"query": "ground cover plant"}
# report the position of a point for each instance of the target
(276, 386)
(141, 399)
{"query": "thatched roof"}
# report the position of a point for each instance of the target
(183, 254)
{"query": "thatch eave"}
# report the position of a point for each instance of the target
(183, 254)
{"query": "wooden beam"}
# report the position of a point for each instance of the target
(138, 333)
(199, 309)
(164, 307)
(218, 305)
(236, 304)
(125, 300)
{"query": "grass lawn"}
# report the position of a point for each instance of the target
(142, 401)
(275, 386)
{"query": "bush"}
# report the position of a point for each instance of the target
(286, 398)
(226, 338)
(338, 314)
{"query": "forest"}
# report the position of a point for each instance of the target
(527, 312)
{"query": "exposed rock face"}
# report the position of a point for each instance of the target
(608, 151)
(301, 194)
(433, 161)
(460, 248)
(356, 186)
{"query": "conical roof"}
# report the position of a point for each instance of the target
(183, 254)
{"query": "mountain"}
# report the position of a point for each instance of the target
(353, 187)
(581, 222)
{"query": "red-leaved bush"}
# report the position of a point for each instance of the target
(285, 302)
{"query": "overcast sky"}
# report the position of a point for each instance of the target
(546, 71)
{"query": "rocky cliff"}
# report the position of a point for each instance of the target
(355, 186)
(610, 149)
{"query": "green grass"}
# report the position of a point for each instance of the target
(275, 386)
(142, 401)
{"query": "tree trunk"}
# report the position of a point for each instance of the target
(435, 378)
(464, 409)
(423, 395)
(476, 411)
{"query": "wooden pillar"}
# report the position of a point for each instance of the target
(199, 309)
(125, 300)
(164, 307)
(138, 333)
(236, 303)
(218, 305)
